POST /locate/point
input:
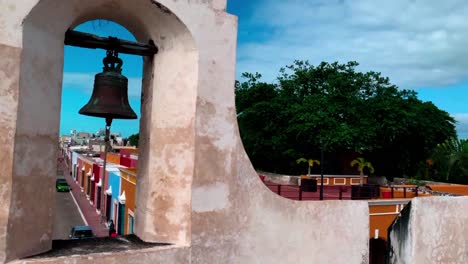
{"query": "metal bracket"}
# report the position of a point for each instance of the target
(112, 62)
(90, 41)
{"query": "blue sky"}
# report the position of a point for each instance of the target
(420, 45)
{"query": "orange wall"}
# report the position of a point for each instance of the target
(345, 181)
(399, 193)
(452, 188)
(382, 222)
(88, 166)
(113, 158)
(133, 151)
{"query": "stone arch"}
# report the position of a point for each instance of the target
(170, 81)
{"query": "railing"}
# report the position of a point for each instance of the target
(354, 192)
(294, 192)
(408, 192)
(365, 192)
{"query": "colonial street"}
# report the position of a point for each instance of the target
(67, 213)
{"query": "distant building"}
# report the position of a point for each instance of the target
(101, 134)
(65, 140)
(96, 145)
(82, 138)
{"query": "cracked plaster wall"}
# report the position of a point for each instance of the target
(437, 232)
(196, 185)
(9, 73)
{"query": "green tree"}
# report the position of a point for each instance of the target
(133, 139)
(350, 112)
(252, 91)
(361, 164)
(450, 160)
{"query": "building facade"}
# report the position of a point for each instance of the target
(128, 188)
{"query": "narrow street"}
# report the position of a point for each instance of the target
(66, 211)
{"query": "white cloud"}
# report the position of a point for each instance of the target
(418, 43)
(462, 124)
(85, 81)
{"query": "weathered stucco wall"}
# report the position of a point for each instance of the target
(196, 186)
(9, 75)
(434, 230)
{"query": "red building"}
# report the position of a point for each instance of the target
(129, 158)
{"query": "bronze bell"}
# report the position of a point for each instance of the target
(110, 93)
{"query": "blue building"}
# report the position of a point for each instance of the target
(113, 192)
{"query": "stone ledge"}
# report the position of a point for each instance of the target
(99, 250)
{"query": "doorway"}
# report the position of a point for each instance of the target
(121, 223)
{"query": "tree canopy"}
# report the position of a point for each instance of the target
(449, 162)
(134, 139)
(346, 112)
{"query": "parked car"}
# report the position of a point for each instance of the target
(81, 232)
(61, 185)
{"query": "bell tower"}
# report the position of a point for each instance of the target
(197, 189)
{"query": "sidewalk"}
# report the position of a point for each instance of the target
(89, 212)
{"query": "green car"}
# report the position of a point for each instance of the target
(61, 185)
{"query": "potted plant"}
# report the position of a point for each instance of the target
(308, 184)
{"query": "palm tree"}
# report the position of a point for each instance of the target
(452, 157)
(310, 162)
(362, 163)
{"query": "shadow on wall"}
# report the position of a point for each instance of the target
(398, 237)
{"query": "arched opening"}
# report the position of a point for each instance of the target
(84, 196)
(166, 162)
